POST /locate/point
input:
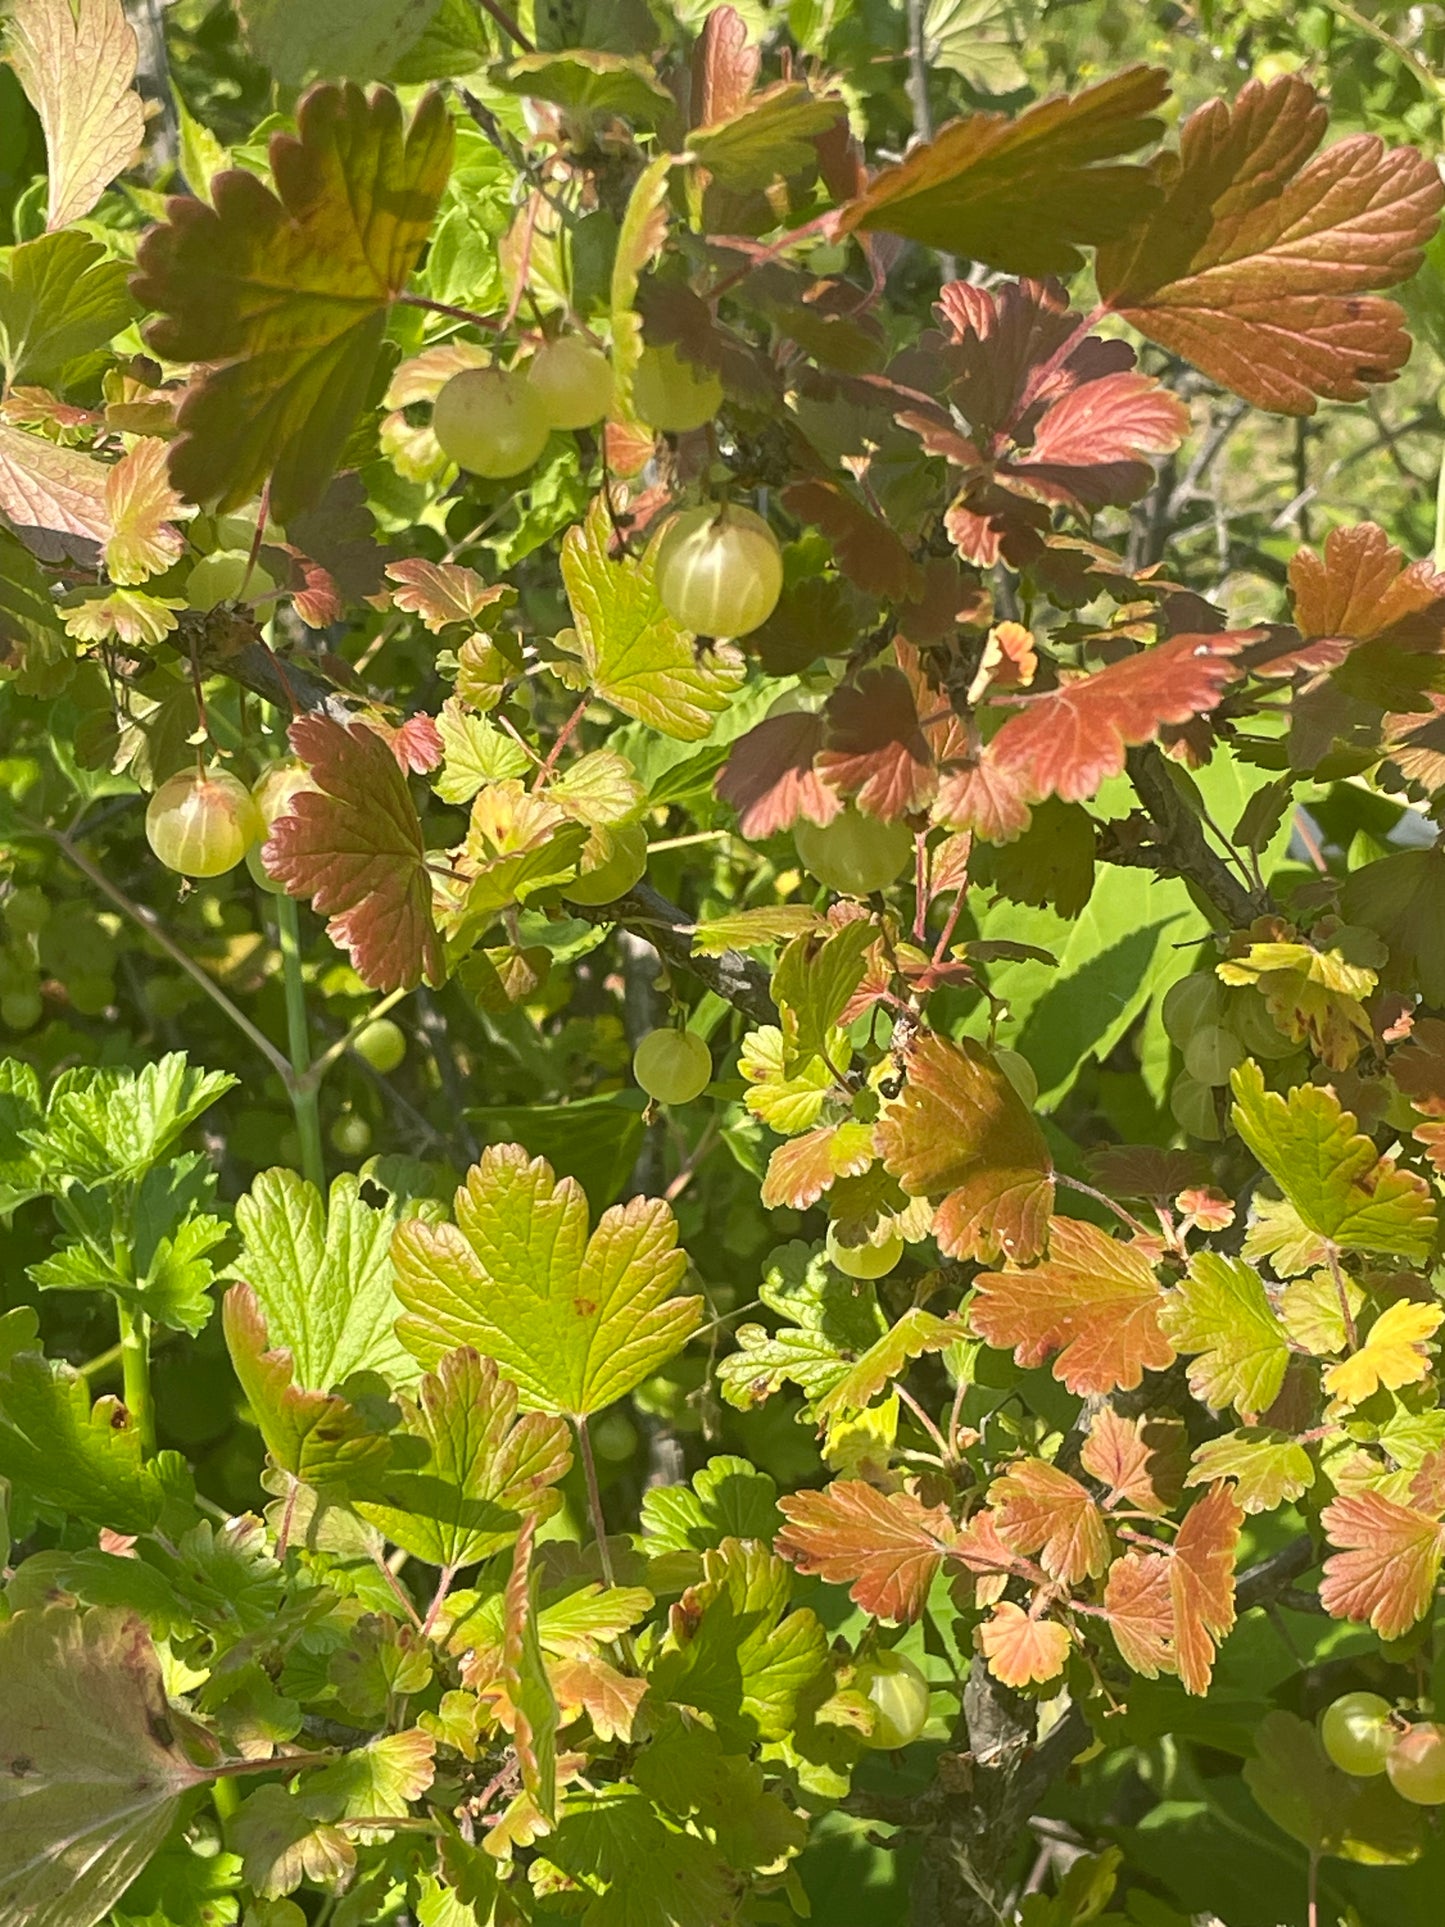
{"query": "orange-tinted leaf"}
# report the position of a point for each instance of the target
(769, 776)
(525, 1701)
(285, 295)
(53, 498)
(1258, 264)
(140, 503)
(1141, 1461)
(354, 847)
(609, 1699)
(878, 750)
(1141, 1612)
(867, 550)
(1361, 589)
(76, 60)
(1418, 1067)
(725, 63)
(884, 1546)
(1388, 1564)
(443, 592)
(961, 1131)
(800, 1171)
(1068, 742)
(981, 796)
(1201, 1583)
(1094, 1301)
(1025, 195)
(1042, 1510)
(417, 745)
(1022, 1651)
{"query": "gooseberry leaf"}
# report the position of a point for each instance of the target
(77, 65)
(53, 498)
(961, 1132)
(886, 1547)
(734, 1652)
(800, 1171)
(728, 1498)
(485, 1469)
(1259, 261)
(1039, 1509)
(768, 136)
(1140, 1611)
(61, 297)
(917, 1332)
(1388, 1563)
(1201, 1583)
(770, 778)
(284, 296)
(1330, 1172)
(1140, 1461)
(442, 593)
(1267, 1467)
(574, 1321)
(106, 1126)
(1393, 1354)
(91, 1771)
(867, 550)
(1327, 1811)
(634, 654)
(1094, 1301)
(591, 86)
(354, 847)
(333, 39)
(526, 1705)
(140, 505)
(1022, 1650)
(615, 1844)
(1070, 740)
(320, 1438)
(832, 1320)
(1219, 1311)
(877, 749)
(1025, 195)
(324, 1276)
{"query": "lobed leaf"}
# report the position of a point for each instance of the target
(1201, 1583)
(886, 1547)
(1040, 1509)
(1220, 1312)
(1388, 1563)
(77, 65)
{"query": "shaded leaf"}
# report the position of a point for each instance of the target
(770, 778)
(287, 373)
(333, 39)
(1258, 263)
(1141, 1461)
(442, 593)
(1327, 1811)
(53, 498)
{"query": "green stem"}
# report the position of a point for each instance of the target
(302, 1090)
(1438, 558)
(135, 1360)
(594, 1501)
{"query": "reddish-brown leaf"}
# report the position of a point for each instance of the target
(961, 1132)
(1094, 1301)
(867, 550)
(1418, 1067)
(1201, 1583)
(1042, 1510)
(1025, 195)
(417, 745)
(1021, 1650)
(1388, 1565)
(1141, 1612)
(1259, 263)
(725, 63)
(53, 498)
(354, 847)
(980, 796)
(1070, 741)
(769, 777)
(1141, 1461)
(884, 1546)
(1360, 591)
(878, 749)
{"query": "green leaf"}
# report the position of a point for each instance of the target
(1327, 1811)
(1267, 1467)
(593, 1139)
(484, 1471)
(91, 1774)
(65, 1455)
(833, 1320)
(814, 981)
(728, 1498)
(589, 86)
(60, 298)
(769, 137)
(38, 650)
(979, 40)
(384, 1776)
(687, 1772)
(735, 1653)
(333, 39)
(285, 299)
(321, 1438)
(22, 1109)
(109, 1127)
(636, 657)
(325, 1281)
(637, 1870)
(1332, 1174)
(1220, 1311)
(474, 752)
(575, 1322)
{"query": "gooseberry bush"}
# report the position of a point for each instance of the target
(723, 964)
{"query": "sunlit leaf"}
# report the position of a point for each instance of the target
(885, 1547)
(1220, 1313)
(77, 63)
(333, 39)
(1267, 1467)
(1201, 1584)
(1040, 1509)
(1388, 1563)
(1393, 1354)
(1022, 1650)
(61, 297)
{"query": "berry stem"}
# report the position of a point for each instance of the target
(300, 1088)
(135, 1361)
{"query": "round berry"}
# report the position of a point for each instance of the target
(1357, 1733)
(672, 1066)
(1416, 1764)
(202, 822)
(382, 1045)
(863, 1260)
(899, 1692)
(490, 422)
(854, 854)
(573, 381)
(719, 571)
(614, 858)
(672, 394)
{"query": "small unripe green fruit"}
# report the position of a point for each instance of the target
(573, 381)
(614, 1437)
(21, 1009)
(490, 423)
(202, 822)
(719, 571)
(899, 1692)
(854, 854)
(382, 1045)
(672, 394)
(614, 858)
(1211, 1053)
(27, 910)
(865, 1260)
(1358, 1734)
(673, 1066)
(1189, 1003)
(351, 1135)
(226, 576)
